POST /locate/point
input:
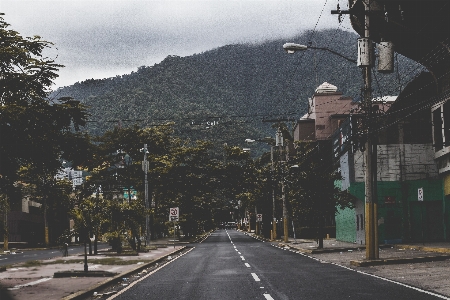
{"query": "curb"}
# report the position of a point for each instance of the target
(324, 250)
(424, 248)
(75, 273)
(117, 278)
(393, 261)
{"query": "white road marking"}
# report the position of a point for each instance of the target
(376, 276)
(255, 277)
(149, 274)
(247, 265)
(16, 287)
(242, 257)
(239, 253)
(268, 297)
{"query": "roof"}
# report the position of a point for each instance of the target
(326, 88)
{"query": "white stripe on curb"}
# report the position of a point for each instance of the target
(16, 287)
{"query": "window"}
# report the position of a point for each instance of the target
(357, 222)
(362, 221)
(437, 130)
(446, 117)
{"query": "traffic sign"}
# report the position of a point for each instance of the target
(174, 214)
(420, 194)
(259, 217)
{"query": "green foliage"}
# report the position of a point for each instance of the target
(222, 95)
(313, 193)
(34, 133)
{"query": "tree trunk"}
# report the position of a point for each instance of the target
(320, 233)
(95, 244)
(90, 244)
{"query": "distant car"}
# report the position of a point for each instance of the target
(231, 225)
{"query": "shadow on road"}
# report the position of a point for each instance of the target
(5, 294)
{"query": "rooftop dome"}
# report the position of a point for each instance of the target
(326, 88)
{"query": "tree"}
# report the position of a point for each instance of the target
(313, 193)
(35, 132)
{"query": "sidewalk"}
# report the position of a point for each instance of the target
(37, 280)
(388, 254)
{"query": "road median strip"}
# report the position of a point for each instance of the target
(118, 278)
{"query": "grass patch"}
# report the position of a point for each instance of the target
(31, 263)
(100, 261)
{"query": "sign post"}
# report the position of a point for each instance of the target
(259, 217)
(258, 223)
(174, 215)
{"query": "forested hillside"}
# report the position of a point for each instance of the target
(230, 93)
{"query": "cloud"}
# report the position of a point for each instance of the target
(98, 38)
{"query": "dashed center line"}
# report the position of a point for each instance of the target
(255, 277)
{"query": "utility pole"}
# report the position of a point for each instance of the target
(365, 49)
(256, 221)
(279, 143)
(274, 215)
(5, 228)
(365, 60)
(145, 167)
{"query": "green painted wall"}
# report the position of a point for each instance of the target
(400, 215)
(346, 218)
(427, 222)
(390, 212)
(346, 225)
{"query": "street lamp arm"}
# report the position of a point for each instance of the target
(292, 48)
(267, 140)
(334, 52)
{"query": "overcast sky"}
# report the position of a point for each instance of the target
(99, 39)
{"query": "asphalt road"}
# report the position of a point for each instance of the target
(232, 265)
(18, 256)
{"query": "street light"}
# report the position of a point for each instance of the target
(293, 47)
(145, 168)
(365, 57)
(269, 141)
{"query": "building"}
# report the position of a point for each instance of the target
(67, 173)
(405, 164)
(414, 149)
(326, 110)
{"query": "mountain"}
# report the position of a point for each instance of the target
(227, 94)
